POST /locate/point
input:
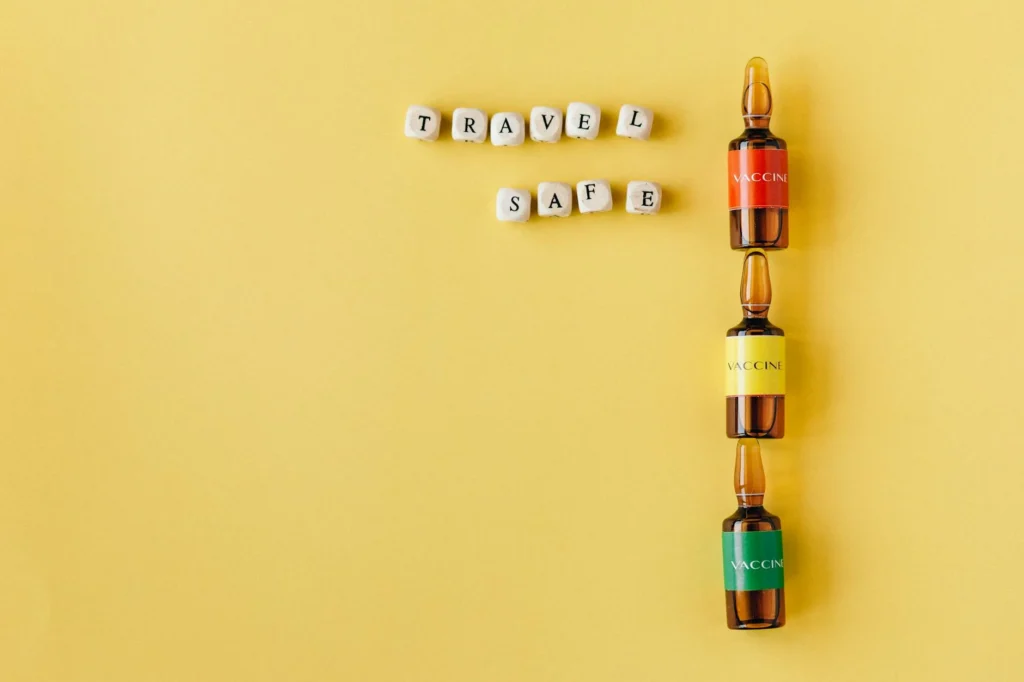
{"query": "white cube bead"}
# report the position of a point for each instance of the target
(582, 121)
(422, 123)
(513, 205)
(554, 199)
(469, 125)
(643, 198)
(594, 196)
(545, 124)
(507, 129)
(635, 122)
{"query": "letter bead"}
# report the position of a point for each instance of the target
(507, 129)
(635, 122)
(582, 121)
(594, 196)
(643, 198)
(469, 125)
(422, 123)
(513, 205)
(545, 124)
(554, 199)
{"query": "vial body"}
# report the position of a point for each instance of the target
(762, 227)
(754, 609)
(756, 416)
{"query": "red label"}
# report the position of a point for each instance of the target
(758, 178)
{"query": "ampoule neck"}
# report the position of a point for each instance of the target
(755, 285)
(759, 123)
(748, 476)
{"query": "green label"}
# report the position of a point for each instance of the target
(752, 560)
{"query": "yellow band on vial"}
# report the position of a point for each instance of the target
(755, 365)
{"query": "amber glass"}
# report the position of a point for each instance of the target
(761, 416)
(752, 609)
(764, 228)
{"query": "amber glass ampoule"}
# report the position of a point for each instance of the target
(752, 550)
(755, 355)
(758, 171)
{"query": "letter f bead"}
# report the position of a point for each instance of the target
(594, 196)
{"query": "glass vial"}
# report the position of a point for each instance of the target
(758, 171)
(755, 357)
(752, 550)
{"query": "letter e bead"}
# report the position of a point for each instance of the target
(635, 122)
(507, 129)
(594, 196)
(643, 198)
(469, 125)
(422, 123)
(582, 121)
(513, 205)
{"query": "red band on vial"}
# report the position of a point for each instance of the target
(758, 178)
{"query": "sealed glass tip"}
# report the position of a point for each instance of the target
(757, 90)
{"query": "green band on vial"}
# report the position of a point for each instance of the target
(752, 560)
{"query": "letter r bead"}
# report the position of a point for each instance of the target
(469, 125)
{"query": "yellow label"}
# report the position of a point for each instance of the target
(755, 365)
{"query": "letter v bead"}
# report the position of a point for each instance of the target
(545, 124)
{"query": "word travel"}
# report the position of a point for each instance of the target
(554, 199)
(508, 128)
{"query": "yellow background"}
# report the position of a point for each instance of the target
(282, 401)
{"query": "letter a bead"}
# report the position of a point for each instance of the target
(422, 123)
(507, 129)
(513, 205)
(554, 199)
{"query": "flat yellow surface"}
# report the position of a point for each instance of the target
(281, 401)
